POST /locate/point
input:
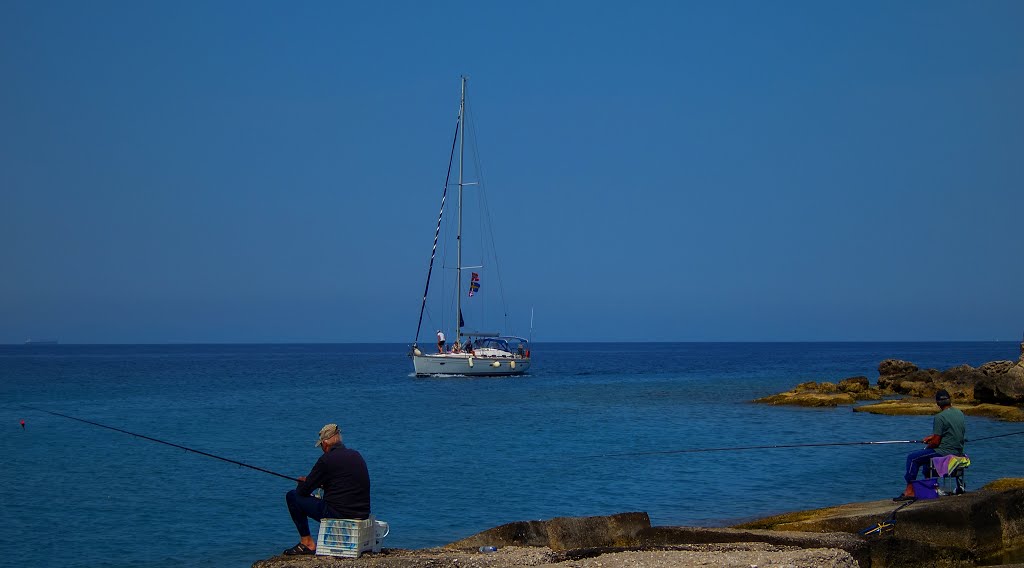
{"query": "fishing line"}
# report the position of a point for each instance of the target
(775, 446)
(144, 437)
(740, 448)
(990, 437)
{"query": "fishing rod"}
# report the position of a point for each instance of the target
(144, 437)
(776, 446)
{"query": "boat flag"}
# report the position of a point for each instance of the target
(474, 284)
(462, 322)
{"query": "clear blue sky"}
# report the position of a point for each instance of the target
(658, 171)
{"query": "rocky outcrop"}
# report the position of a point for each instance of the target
(895, 377)
(916, 407)
(996, 382)
(811, 393)
(973, 529)
(855, 385)
(1002, 382)
(563, 533)
(812, 399)
(995, 389)
(996, 368)
(896, 367)
(1004, 389)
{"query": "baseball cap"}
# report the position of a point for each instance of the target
(328, 432)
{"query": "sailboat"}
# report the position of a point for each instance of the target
(467, 351)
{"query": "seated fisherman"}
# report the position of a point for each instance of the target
(341, 473)
(949, 431)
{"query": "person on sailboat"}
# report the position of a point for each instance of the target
(341, 473)
(440, 341)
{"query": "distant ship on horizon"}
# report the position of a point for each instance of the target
(31, 341)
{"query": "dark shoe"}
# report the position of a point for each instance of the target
(902, 497)
(299, 550)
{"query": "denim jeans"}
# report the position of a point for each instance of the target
(302, 507)
(917, 460)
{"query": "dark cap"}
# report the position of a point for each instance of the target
(942, 397)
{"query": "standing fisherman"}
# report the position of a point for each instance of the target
(949, 431)
(341, 473)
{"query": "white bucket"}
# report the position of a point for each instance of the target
(380, 530)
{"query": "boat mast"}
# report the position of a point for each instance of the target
(458, 237)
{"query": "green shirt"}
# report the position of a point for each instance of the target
(950, 424)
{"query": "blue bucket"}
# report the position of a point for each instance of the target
(926, 488)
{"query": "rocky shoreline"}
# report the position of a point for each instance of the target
(975, 529)
(993, 390)
(740, 555)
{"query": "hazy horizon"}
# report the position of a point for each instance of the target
(34, 342)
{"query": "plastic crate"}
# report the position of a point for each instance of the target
(345, 537)
(350, 537)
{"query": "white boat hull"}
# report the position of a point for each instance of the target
(427, 365)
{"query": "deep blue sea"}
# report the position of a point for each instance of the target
(448, 457)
